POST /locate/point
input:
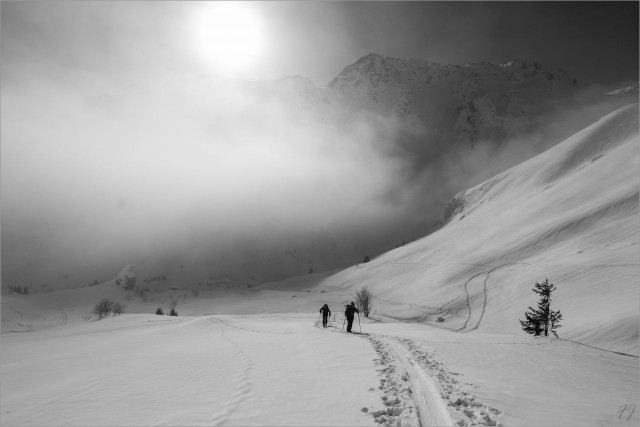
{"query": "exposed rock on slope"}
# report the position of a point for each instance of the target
(466, 103)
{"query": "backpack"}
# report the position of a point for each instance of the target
(348, 310)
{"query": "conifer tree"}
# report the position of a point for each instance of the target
(542, 320)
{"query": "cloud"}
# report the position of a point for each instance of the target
(107, 158)
(115, 175)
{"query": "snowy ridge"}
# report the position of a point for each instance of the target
(626, 89)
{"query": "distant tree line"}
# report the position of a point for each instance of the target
(19, 289)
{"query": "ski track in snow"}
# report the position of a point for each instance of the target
(484, 301)
(243, 382)
(419, 390)
(440, 381)
(480, 311)
(229, 324)
(28, 326)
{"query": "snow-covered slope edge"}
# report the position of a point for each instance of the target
(569, 214)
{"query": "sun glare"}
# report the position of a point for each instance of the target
(230, 36)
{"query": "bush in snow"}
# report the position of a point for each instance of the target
(366, 259)
(117, 308)
(105, 307)
(159, 311)
(173, 303)
(173, 312)
(364, 300)
(543, 320)
(19, 289)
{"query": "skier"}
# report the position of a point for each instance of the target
(325, 315)
(349, 311)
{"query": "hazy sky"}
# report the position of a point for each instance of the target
(116, 139)
(136, 42)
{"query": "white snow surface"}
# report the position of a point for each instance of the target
(257, 356)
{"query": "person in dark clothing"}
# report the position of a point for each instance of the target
(349, 313)
(325, 315)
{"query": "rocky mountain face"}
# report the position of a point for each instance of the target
(438, 110)
(442, 104)
(454, 103)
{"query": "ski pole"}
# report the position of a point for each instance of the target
(359, 323)
(345, 319)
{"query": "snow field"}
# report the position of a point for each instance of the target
(161, 370)
(519, 380)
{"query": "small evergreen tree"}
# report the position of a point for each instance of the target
(159, 311)
(366, 259)
(542, 320)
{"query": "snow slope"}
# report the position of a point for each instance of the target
(254, 357)
(569, 214)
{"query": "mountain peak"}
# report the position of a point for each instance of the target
(370, 58)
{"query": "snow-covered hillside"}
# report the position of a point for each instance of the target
(569, 214)
(252, 356)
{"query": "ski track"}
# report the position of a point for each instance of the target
(243, 387)
(29, 327)
(443, 390)
(485, 292)
(227, 323)
(418, 390)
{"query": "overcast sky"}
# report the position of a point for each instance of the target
(114, 142)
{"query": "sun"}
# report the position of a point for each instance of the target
(230, 36)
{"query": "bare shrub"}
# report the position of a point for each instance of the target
(173, 303)
(364, 300)
(105, 307)
(118, 308)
